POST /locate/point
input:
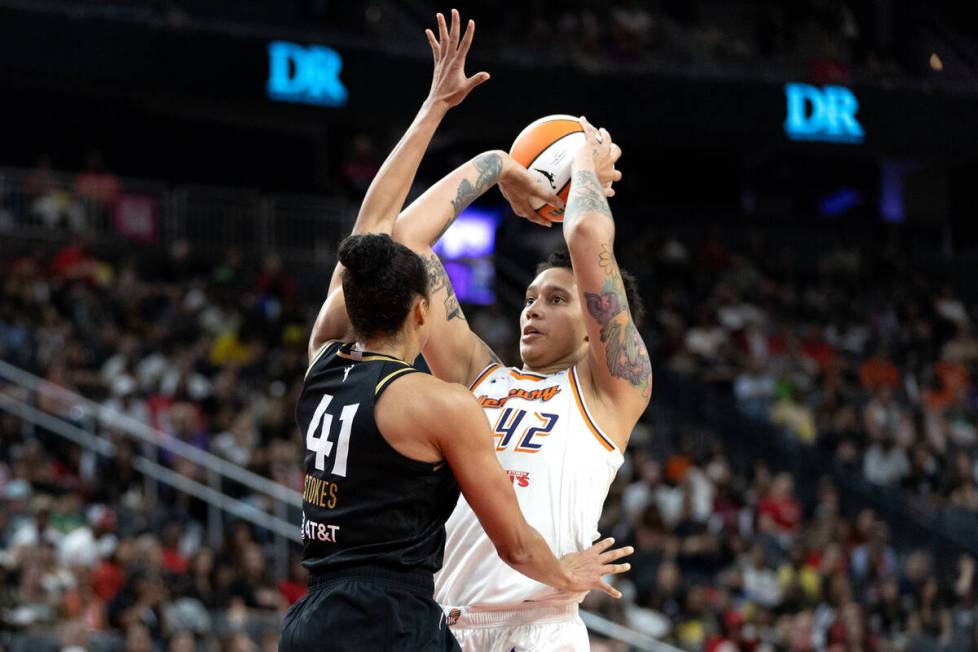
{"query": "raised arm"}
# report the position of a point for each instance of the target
(388, 190)
(618, 365)
(454, 352)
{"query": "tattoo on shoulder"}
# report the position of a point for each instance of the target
(489, 352)
(625, 352)
(489, 166)
(586, 196)
(438, 281)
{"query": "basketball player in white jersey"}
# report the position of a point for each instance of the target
(560, 422)
(403, 424)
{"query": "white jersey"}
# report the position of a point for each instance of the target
(561, 465)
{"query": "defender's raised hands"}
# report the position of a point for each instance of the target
(449, 84)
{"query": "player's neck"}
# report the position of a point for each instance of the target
(544, 371)
(396, 348)
(552, 368)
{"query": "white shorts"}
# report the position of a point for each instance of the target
(532, 629)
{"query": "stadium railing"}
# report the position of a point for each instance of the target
(46, 205)
(88, 422)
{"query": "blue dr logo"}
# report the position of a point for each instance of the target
(305, 74)
(825, 114)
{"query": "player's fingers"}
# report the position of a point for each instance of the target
(589, 129)
(615, 152)
(551, 198)
(475, 80)
(455, 30)
(545, 194)
(610, 590)
(615, 569)
(467, 38)
(592, 133)
(530, 215)
(609, 192)
(615, 174)
(603, 545)
(616, 554)
(605, 136)
(435, 50)
(442, 32)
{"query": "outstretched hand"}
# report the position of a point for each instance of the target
(587, 568)
(449, 84)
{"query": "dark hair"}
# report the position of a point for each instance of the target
(635, 303)
(381, 279)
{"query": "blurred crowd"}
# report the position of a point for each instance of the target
(824, 40)
(210, 355)
(730, 560)
(852, 352)
(842, 348)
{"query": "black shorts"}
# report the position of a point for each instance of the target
(368, 609)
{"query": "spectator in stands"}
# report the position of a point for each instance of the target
(31, 532)
(252, 587)
(754, 388)
(138, 608)
(879, 372)
(51, 202)
(778, 513)
(885, 463)
(96, 186)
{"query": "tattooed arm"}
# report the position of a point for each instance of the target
(389, 188)
(618, 366)
(425, 221)
(454, 352)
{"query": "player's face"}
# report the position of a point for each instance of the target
(551, 328)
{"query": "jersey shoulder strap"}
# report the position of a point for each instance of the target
(487, 371)
(327, 347)
(390, 372)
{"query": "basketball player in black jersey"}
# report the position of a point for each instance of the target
(388, 448)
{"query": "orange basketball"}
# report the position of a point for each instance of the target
(546, 148)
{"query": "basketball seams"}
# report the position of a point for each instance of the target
(557, 117)
(550, 132)
(545, 210)
(532, 146)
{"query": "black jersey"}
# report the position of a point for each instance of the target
(363, 502)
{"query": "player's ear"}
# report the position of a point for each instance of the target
(420, 310)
